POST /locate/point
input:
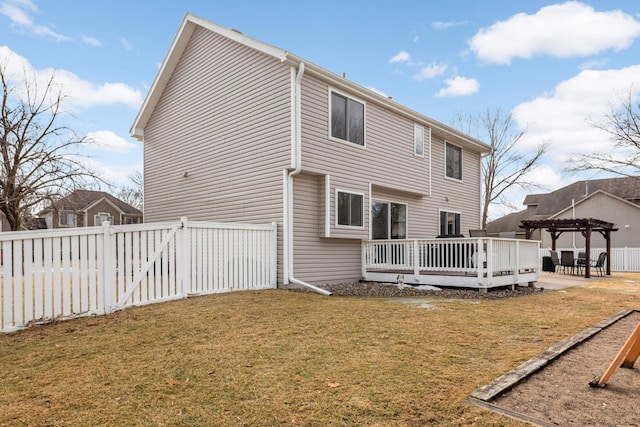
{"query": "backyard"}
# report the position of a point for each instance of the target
(280, 357)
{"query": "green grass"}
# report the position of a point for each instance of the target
(287, 358)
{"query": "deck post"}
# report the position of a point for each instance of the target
(489, 257)
(363, 262)
(416, 260)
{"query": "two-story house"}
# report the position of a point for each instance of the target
(237, 130)
(87, 208)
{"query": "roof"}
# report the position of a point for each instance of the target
(548, 204)
(508, 222)
(81, 200)
(191, 22)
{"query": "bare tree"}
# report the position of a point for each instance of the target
(505, 167)
(133, 194)
(622, 123)
(38, 155)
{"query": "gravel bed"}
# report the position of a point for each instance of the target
(371, 289)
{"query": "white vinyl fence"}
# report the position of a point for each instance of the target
(57, 274)
(622, 259)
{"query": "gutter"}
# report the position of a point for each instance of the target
(296, 153)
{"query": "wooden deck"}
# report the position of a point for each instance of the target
(480, 263)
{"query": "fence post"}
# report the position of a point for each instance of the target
(108, 268)
(184, 256)
(273, 255)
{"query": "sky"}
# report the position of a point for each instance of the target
(557, 67)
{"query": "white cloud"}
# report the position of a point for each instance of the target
(18, 12)
(440, 25)
(570, 29)
(565, 117)
(81, 93)
(126, 43)
(430, 71)
(108, 141)
(90, 41)
(459, 86)
(401, 56)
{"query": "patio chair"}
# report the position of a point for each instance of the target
(555, 260)
(567, 261)
(581, 261)
(599, 264)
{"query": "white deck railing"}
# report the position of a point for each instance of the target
(473, 262)
(54, 274)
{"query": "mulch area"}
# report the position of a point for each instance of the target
(385, 290)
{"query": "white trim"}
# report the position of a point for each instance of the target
(430, 165)
(415, 130)
(327, 206)
(445, 142)
(364, 118)
(95, 203)
(364, 203)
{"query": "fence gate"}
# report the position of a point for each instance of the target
(65, 273)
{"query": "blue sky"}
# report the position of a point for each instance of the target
(556, 66)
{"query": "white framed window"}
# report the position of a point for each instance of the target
(418, 140)
(453, 161)
(388, 220)
(450, 223)
(349, 209)
(102, 217)
(346, 122)
(67, 219)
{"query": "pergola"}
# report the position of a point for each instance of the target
(583, 225)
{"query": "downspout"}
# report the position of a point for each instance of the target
(288, 222)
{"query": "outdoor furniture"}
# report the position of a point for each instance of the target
(555, 260)
(599, 264)
(581, 261)
(567, 261)
(478, 233)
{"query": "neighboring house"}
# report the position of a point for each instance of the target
(87, 208)
(236, 130)
(615, 200)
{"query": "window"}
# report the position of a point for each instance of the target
(67, 219)
(102, 217)
(350, 209)
(347, 119)
(449, 223)
(131, 220)
(388, 220)
(418, 140)
(453, 156)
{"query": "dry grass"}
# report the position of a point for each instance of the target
(288, 358)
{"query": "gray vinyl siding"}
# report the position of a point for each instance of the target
(606, 208)
(216, 144)
(387, 165)
(316, 259)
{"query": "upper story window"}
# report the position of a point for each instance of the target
(449, 223)
(350, 209)
(67, 219)
(347, 119)
(418, 140)
(453, 160)
(388, 220)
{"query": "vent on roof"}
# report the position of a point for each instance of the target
(237, 31)
(586, 188)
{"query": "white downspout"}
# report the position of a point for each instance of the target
(297, 163)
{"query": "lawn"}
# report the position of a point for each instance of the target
(288, 358)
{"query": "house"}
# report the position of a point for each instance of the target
(615, 200)
(237, 130)
(87, 208)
